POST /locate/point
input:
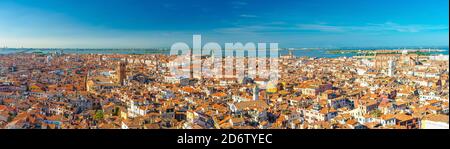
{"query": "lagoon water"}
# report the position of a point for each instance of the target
(299, 53)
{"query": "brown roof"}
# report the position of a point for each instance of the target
(152, 126)
(237, 120)
(258, 104)
(403, 117)
(437, 118)
(2, 107)
(387, 116)
(352, 122)
(219, 94)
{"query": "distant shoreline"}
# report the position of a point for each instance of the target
(327, 53)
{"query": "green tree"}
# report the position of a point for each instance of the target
(376, 113)
(99, 115)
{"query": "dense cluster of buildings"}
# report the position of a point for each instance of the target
(112, 91)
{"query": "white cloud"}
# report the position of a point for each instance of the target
(320, 27)
(248, 16)
(277, 27)
(388, 26)
(238, 4)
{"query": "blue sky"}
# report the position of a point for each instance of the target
(160, 23)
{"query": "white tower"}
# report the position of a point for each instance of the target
(391, 68)
(255, 93)
(48, 59)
